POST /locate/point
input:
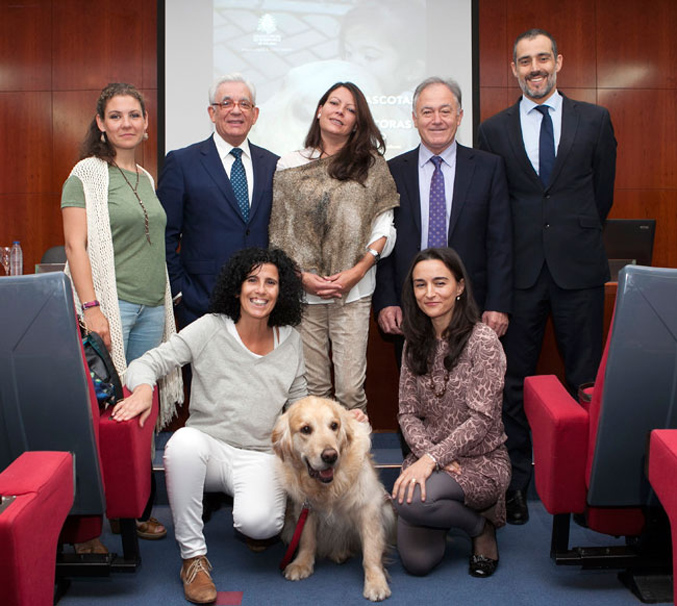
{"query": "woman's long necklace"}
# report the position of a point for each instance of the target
(438, 394)
(134, 189)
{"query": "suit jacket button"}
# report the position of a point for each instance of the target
(246, 233)
(547, 226)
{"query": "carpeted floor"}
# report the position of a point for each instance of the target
(526, 575)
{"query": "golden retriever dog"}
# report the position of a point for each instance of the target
(325, 462)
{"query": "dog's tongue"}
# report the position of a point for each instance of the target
(327, 473)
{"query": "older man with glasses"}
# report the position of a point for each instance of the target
(217, 195)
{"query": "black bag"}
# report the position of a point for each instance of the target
(107, 384)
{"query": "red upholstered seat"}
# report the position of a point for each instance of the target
(662, 475)
(590, 457)
(30, 525)
(124, 453)
(564, 434)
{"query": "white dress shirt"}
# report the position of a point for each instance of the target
(531, 119)
(223, 148)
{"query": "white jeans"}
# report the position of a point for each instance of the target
(195, 462)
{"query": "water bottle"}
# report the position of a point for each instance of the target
(16, 259)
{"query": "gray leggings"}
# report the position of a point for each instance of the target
(422, 527)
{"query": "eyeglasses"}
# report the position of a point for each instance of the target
(228, 105)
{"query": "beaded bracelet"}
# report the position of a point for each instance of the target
(90, 304)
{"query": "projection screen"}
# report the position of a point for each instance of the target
(294, 50)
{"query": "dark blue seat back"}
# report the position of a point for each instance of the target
(44, 387)
(640, 386)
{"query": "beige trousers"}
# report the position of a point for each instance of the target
(337, 333)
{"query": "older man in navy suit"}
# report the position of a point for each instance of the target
(475, 214)
(560, 158)
(217, 195)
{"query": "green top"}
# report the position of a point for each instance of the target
(139, 266)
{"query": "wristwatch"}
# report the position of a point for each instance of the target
(375, 253)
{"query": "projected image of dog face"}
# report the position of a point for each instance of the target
(318, 437)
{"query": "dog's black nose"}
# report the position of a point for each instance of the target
(329, 456)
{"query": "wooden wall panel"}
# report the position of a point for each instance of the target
(26, 45)
(25, 142)
(493, 44)
(636, 44)
(572, 23)
(645, 122)
(97, 43)
(35, 220)
(382, 384)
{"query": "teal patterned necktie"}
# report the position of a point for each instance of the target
(238, 179)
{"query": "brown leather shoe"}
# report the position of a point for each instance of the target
(198, 586)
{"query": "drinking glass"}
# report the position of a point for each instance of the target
(5, 258)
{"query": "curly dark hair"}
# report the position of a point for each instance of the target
(417, 327)
(288, 309)
(356, 157)
(93, 144)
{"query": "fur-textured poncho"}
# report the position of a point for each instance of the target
(322, 223)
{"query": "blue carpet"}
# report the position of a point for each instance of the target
(525, 576)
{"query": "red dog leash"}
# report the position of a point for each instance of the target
(291, 550)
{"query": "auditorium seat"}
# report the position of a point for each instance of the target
(48, 403)
(662, 475)
(590, 458)
(37, 491)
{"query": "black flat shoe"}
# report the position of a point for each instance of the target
(517, 511)
(481, 566)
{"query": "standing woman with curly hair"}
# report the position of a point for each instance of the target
(333, 214)
(247, 364)
(451, 386)
(114, 231)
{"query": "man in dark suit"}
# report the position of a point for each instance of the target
(217, 200)
(476, 213)
(560, 158)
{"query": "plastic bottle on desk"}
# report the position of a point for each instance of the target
(16, 260)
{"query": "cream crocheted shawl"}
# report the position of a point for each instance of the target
(93, 173)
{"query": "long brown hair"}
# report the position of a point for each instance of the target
(418, 328)
(355, 158)
(96, 142)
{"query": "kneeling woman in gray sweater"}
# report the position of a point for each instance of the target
(247, 364)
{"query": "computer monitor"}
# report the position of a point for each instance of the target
(628, 242)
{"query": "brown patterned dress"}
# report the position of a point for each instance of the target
(462, 422)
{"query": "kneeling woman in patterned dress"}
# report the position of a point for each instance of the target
(450, 413)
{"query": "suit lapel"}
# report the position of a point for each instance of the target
(411, 185)
(214, 167)
(516, 139)
(465, 167)
(567, 136)
(257, 192)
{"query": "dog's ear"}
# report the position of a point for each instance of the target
(281, 437)
(348, 422)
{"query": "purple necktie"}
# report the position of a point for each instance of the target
(437, 208)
